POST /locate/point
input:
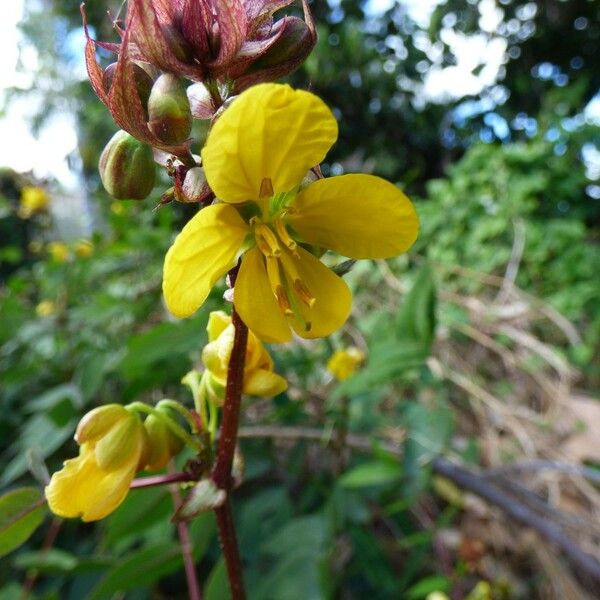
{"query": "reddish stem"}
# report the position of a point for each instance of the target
(227, 442)
(186, 549)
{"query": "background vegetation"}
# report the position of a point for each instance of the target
(482, 343)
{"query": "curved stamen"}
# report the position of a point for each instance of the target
(266, 240)
(277, 286)
(283, 234)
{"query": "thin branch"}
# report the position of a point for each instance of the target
(546, 465)
(49, 539)
(462, 477)
(186, 549)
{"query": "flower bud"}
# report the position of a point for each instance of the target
(170, 118)
(127, 167)
(143, 80)
(162, 443)
(119, 443)
(98, 422)
(195, 188)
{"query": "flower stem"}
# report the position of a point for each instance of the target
(186, 549)
(227, 442)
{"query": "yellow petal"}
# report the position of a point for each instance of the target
(333, 299)
(203, 252)
(83, 489)
(261, 382)
(218, 320)
(270, 132)
(359, 216)
(255, 302)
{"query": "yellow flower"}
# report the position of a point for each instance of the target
(344, 363)
(91, 486)
(259, 378)
(84, 248)
(256, 157)
(33, 200)
(58, 251)
(45, 308)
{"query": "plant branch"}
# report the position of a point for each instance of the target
(227, 442)
(155, 480)
(186, 549)
(464, 478)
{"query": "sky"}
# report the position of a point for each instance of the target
(46, 153)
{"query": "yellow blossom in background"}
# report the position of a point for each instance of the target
(257, 155)
(33, 200)
(259, 378)
(344, 363)
(91, 486)
(437, 596)
(45, 308)
(84, 248)
(58, 251)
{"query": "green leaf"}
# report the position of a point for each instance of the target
(217, 586)
(141, 510)
(434, 583)
(416, 317)
(387, 361)
(428, 432)
(370, 474)
(47, 561)
(139, 570)
(21, 513)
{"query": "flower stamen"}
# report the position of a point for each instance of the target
(283, 234)
(266, 240)
(277, 286)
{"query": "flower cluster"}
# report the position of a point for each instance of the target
(114, 445)
(266, 215)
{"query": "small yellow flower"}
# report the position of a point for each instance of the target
(259, 378)
(344, 363)
(58, 251)
(91, 486)
(45, 308)
(33, 200)
(84, 248)
(255, 160)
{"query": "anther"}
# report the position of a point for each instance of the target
(283, 234)
(266, 188)
(283, 301)
(304, 293)
(266, 240)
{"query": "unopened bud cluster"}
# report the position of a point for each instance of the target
(220, 47)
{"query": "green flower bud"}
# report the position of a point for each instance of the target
(143, 81)
(127, 167)
(163, 444)
(170, 118)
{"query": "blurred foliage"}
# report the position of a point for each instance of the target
(494, 171)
